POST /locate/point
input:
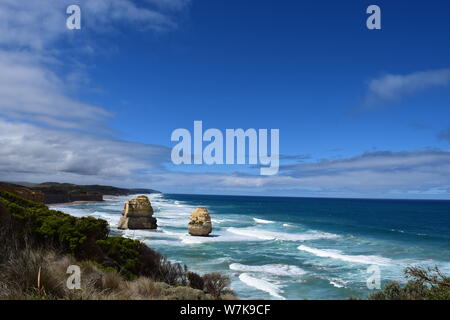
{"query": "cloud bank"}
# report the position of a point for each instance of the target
(37, 24)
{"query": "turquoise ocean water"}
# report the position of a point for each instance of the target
(294, 248)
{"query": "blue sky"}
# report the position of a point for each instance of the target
(361, 113)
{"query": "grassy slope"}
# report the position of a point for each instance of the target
(112, 267)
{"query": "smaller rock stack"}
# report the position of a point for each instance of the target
(137, 214)
(200, 224)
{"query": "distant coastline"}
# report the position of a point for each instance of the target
(63, 193)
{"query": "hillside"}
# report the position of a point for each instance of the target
(53, 192)
(39, 243)
(22, 191)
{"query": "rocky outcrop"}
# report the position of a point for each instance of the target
(85, 196)
(62, 196)
(66, 192)
(200, 224)
(137, 214)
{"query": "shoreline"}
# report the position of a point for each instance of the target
(71, 203)
(59, 204)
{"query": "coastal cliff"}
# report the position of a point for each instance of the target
(24, 192)
(52, 196)
(53, 192)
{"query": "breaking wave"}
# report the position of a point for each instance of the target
(263, 285)
(270, 235)
(275, 269)
(263, 221)
(337, 254)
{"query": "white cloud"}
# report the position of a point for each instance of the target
(34, 96)
(420, 173)
(31, 91)
(31, 153)
(29, 87)
(28, 151)
(36, 24)
(393, 87)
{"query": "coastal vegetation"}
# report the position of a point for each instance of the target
(422, 284)
(53, 192)
(66, 192)
(39, 244)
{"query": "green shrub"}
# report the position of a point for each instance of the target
(124, 254)
(439, 292)
(50, 227)
(10, 198)
(217, 284)
(195, 281)
(87, 240)
(424, 284)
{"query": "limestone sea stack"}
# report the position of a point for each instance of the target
(200, 224)
(137, 214)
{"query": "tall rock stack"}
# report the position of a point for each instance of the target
(137, 214)
(200, 224)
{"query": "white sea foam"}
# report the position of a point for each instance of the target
(218, 261)
(395, 230)
(337, 254)
(263, 285)
(174, 234)
(142, 234)
(172, 222)
(217, 237)
(263, 221)
(275, 269)
(337, 282)
(153, 242)
(270, 235)
(194, 240)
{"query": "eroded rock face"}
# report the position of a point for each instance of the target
(137, 214)
(200, 224)
(23, 192)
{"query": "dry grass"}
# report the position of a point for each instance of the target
(20, 272)
(28, 271)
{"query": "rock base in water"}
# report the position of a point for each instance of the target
(200, 224)
(137, 223)
(137, 214)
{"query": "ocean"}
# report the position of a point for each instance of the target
(293, 248)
